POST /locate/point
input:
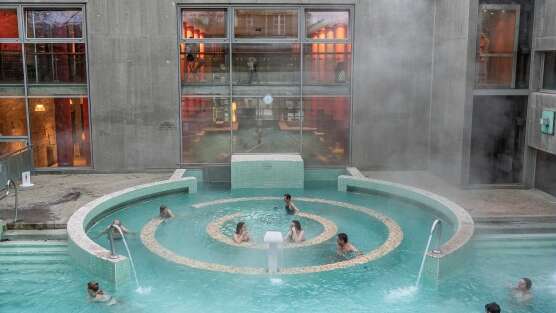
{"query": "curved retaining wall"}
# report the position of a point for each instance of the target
(439, 263)
(96, 258)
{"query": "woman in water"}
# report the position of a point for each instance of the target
(522, 292)
(241, 235)
(291, 209)
(98, 295)
(296, 233)
(166, 213)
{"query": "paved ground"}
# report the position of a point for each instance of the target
(479, 202)
(55, 197)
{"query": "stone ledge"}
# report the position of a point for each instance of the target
(96, 258)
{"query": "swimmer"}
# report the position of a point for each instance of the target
(492, 308)
(522, 292)
(344, 248)
(98, 295)
(296, 233)
(115, 233)
(291, 209)
(166, 213)
(241, 235)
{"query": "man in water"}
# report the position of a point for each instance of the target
(291, 209)
(115, 233)
(166, 213)
(522, 292)
(492, 308)
(344, 248)
(98, 295)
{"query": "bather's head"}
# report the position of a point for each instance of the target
(524, 284)
(297, 225)
(240, 228)
(163, 208)
(342, 239)
(492, 308)
(287, 198)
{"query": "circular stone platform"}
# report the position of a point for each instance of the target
(214, 230)
(394, 239)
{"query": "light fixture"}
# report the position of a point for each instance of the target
(40, 108)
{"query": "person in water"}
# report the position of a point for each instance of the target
(241, 235)
(492, 308)
(522, 292)
(344, 248)
(166, 213)
(296, 233)
(290, 207)
(115, 233)
(98, 295)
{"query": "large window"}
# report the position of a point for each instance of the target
(549, 71)
(277, 80)
(504, 44)
(52, 96)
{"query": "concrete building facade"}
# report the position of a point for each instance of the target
(455, 87)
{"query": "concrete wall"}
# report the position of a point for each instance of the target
(391, 95)
(132, 46)
(451, 88)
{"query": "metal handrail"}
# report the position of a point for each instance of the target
(7, 155)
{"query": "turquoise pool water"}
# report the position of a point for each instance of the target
(491, 265)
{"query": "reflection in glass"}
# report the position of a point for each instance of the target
(326, 63)
(265, 23)
(497, 47)
(206, 126)
(8, 147)
(205, 63)
(54, 23)
(321, 24)
(56, 63)
(11, 63)
(8, 23)
(266, 127)
(326, 130)
(12, 117)
(549, 71)
(205, 23)
(265, 64)
(60, 132)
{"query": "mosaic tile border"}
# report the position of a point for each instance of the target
(395, 237)
(214, 230)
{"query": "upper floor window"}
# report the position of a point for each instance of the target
(203, 23)
(8, 23)
(549, 71)
(265, 23)
(54, 23)
(326, 24)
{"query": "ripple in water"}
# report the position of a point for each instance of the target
(401, 294)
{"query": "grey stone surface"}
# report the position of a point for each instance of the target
(391, 92)
(450, 90)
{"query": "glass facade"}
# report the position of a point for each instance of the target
(549, 71)
(43, 85)
(278, 80)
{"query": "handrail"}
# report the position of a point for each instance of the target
(14, 186)
(7, 155)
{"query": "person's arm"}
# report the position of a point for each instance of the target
(237, 238)
(295, 209)
(301, 236)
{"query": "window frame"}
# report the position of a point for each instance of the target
(517, 9)
(224, 39)
(53, 7)
(541, 72)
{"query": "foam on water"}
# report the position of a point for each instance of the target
(143, 290)
(276, 281)
(401, 294)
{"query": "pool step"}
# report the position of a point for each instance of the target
(34, 252)
(515, 225)
(35, 234)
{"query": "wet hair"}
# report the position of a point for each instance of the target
(296, 224)
(92, 285)
(528, 283)
(287, 196)
(239, 226)
(162, 207)
(492, 307)
(343, 237)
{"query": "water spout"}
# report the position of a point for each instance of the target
(435, 225)
(116, 227)
(274, 240)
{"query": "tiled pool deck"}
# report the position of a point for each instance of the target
(54, 198)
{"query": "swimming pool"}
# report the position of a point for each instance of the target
(380, 285)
